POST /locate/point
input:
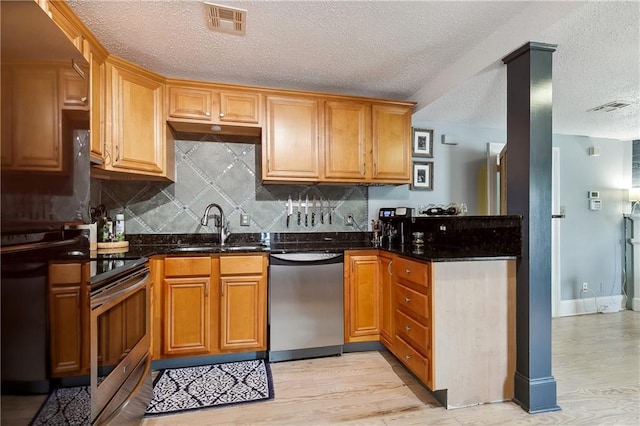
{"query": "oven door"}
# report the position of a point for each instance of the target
(120, 349)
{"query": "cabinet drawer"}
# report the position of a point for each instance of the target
(187, 266)
(412, 301)
(412, 271)
(412, 359)
(415, 332)
(234, 265)
(65, 273)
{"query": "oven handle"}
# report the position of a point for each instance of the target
(117, 290)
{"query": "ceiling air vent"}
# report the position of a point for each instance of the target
(226, 19)
(611, 106)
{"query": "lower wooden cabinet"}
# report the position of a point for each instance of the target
(209, 305)
(243, 302)
(68, 288)
(387, 300)
(188, 306)
(361, 296)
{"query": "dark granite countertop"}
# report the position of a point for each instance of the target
(198, 244)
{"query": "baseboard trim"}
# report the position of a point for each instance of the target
(591, 305)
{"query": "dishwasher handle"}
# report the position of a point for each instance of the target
(305, 258)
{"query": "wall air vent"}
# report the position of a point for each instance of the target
(611, 106)
(226, 19)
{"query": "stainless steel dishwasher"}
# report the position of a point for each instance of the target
(305, 305)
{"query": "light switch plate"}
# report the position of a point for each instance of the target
(244, 220)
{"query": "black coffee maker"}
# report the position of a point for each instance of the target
(394, 225)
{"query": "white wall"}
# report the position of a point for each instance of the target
(591, 242)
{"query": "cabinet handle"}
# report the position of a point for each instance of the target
(117, 154)
(208, 114)
(407, 328)
(221, 114)
(389, 268)
(407, 299)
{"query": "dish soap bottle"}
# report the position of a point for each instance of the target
(119, 228)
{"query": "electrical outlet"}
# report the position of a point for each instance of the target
(585, 286)
(244, 220)
(348, 219)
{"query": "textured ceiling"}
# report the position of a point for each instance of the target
(443, 55)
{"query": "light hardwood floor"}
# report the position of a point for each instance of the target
(596, 363)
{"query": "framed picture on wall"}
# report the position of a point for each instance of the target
(423, 143)
(422, 176)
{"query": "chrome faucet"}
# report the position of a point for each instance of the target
(220, 222)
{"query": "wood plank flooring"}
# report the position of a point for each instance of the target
(596, 363)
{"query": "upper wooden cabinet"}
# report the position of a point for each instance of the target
(347, 140)
(35, 97)
(135, 132)
(206, 104)
(315, 139)
(291, 146)
(391, 143)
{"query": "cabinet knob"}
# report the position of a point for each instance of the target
(407, 299)
(83, 99)
(208, 114)
(407, 328)
(407, 271)
(407, 357)
(222, 114)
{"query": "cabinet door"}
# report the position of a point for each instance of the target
(74, 89)
(391, 137)
(291, 145)
(67, 297)
(66, 330)
(190, 103)
(387, 301)
(362, 298)
(135, 127)
(35, 120)
(238, 107)
(347, 134)
(97, 80)
(242, 312)
(187, 315)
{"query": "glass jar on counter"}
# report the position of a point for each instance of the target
(417, 239)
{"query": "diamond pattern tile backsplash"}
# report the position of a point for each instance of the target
(227, 174)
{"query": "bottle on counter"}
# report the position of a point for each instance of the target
(119, 227)
(107, 230)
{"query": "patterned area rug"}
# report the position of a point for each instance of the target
(183, 389)
(65, 406)
(174, 390)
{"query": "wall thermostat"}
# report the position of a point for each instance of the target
(595, 205)
(594, 194)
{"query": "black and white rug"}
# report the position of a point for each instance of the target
(65, 406)
(174, 390)
(191, 388)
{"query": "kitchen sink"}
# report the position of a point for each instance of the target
(196, 249)
(242, 248)
(217, 248)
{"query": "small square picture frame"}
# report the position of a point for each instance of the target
(422, 176)
(423, 143)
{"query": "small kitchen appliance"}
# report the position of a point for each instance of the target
(394, 223)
